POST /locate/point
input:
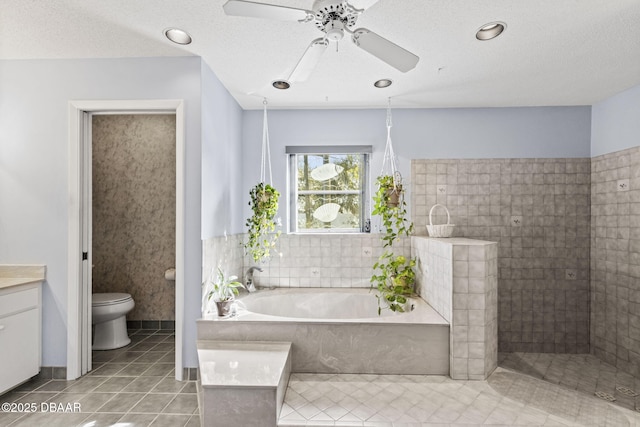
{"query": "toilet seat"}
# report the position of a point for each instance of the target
(112, 298)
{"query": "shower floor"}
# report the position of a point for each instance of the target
(526, 389)
(582, 372)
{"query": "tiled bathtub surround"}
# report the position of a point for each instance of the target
(459, 277)
(615, 259)
(538, 210)
(328, 338)
(319, 261)
(326, 260)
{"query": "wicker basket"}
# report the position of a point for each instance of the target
(442, 230)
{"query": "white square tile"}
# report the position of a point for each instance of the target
(477, 269)
(461, 269)
(476, 301)
(477, 252)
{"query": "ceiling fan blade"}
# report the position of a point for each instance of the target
(264, 10)
(362, 4)
(385, 50)
(309, 60)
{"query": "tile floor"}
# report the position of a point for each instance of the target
(133, 386)
(560, 393)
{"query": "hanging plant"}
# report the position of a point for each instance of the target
(393, 275)
(264, 204)
(262, 224)
(388, 202)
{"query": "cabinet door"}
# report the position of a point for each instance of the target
(19, 349)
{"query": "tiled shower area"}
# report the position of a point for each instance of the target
(538, 210)
(568, 233)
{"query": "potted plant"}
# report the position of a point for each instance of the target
(262, 225)
(222, 290)
(390, 191)
(393, 275)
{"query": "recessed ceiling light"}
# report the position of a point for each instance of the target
(491, 30)
(177, 36)
(281, 84)
(383, 83)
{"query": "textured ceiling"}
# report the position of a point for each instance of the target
(554, 52)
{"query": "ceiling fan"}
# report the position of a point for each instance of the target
(334, 18)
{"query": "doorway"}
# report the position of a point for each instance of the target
(133, 213)
(80, 253)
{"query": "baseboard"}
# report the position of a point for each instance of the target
(52, 373)
(167, 325)
(190, 374)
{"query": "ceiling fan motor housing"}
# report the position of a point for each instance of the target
(333, 16)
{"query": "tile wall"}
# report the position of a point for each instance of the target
(538, 210)
(329, 261)
(225, 252)
(434, 274)
(460, 277)
(615, 259)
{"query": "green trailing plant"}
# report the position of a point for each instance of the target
(388, 202)
(393, 275)
(262, 224)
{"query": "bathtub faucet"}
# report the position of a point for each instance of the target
(249, 278)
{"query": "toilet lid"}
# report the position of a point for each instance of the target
(109, 298)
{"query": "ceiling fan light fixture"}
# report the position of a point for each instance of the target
(334, 30)
(490, 31)
(382, 83)
(281, 84)
(178, 36)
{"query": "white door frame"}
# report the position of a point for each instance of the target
(79, 286)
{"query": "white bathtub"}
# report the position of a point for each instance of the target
(337, 304)
(339, 331)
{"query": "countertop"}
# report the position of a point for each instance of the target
(15, 275)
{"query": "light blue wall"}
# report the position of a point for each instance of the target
(615, 123)
(221, 159)
(34, 141)
(419, 134)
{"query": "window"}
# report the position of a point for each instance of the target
(329, 188)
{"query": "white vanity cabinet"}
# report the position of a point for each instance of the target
(20, 333)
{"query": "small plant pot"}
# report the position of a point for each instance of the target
(393, 196)
(409, 305)
(406, 307)
(264, 197)
(224, 308)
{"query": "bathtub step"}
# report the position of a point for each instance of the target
(242, 383)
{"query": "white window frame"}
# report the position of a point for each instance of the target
(292, 209)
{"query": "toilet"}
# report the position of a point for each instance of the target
(108, 316)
